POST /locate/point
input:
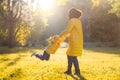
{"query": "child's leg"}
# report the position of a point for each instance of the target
(37, 55)
(44, 56)
(40, 56)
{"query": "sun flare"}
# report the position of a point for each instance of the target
(46, 4)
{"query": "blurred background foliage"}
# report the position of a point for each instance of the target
(31, 25)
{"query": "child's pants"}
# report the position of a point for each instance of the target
(44, 56)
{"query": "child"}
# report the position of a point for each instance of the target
(75, 39)
(51, 49)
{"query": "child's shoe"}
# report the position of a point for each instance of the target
(33, 54)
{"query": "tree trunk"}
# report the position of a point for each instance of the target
(11, 35)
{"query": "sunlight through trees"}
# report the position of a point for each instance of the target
(43, 20)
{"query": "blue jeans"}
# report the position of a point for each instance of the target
(44, 56)
(73, 60)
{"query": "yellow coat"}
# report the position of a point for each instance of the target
(54, 45)
(75, 37)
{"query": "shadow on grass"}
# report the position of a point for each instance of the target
(6, 50)
(107, 50)
(79, 77)
(13, 74)
(11, 61)
(14, 61)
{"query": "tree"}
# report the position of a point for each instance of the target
(115, 7)
(12, 11)
(103, 25)
(3, 32)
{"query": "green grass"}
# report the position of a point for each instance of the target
(95, 64)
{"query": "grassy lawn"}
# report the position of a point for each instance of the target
(95, 64)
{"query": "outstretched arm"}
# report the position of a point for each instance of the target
(69, 29)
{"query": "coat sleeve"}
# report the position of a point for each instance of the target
(68, 29)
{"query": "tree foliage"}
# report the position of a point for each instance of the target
(115, 7)
(11, 12)
(100, 20)
(104, 27)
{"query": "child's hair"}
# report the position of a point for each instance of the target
(53, 39)
(74, 13)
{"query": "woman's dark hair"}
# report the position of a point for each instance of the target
(74, 13)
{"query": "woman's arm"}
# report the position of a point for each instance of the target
(69, 28)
